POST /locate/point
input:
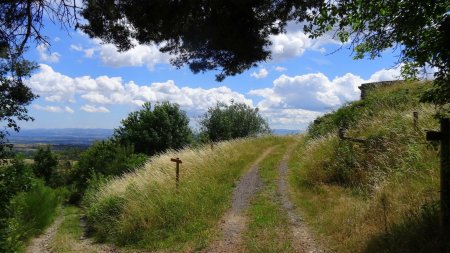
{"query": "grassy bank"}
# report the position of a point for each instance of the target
(144, 209)
(376, 196)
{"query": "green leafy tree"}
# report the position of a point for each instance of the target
(154, 131)
(14, 178)
(419, 29)
(45, 164)
(225, 122)
(14, 96)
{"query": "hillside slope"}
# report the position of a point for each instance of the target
(378, 194)
(145, 210)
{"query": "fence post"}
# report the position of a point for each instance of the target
(444, 137)
(445, 183)
(416, 120)
(341, 133)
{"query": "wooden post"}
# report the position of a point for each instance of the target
(444, 137)
(177, 170)
(341, 133)
(416, 120)
(445, 183)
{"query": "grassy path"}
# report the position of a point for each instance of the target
(235, 221)
(260, 218)
(66, 235)
(41, 244)
(274, 224)
(301, 238)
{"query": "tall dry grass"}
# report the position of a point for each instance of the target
(377, 196)
(144, 209)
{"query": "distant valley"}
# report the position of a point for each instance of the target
(27, 140)
(78, 136)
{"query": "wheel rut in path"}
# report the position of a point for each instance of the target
(302, 241)
(41, 244)
(235, 221)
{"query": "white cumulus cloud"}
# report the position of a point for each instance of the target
(315, 91)
(262, 73)
(105, 90)
(280, 69)
(44, 55)
(139, 55)
(93, 108)
(295, 43)
(47, 108)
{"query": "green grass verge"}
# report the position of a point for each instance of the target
(69, 232)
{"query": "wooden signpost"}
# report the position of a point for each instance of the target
(177, 169)
(444, 137)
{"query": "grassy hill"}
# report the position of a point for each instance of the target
(378, 195)
(144, 209)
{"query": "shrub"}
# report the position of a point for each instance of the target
(27, 214)
(154, 131)
(45, 163)
(14, 178)
(226, 122)
(415, 233)
(106, 158)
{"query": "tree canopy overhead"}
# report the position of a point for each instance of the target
(230, 36)
(21, 22)
(226, 35)
(420, 29)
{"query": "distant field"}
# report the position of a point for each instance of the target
(28, 140)
(64, 136)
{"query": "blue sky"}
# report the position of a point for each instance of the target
(83, 83)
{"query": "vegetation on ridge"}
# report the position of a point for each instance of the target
(375, 196)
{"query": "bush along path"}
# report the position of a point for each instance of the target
(235, 221)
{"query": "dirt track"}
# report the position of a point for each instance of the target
(232, 225)
(41, 244)
(235, 221)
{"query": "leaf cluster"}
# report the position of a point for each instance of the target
(230, 36)
(226, 122)
(418, 29)
(151, 131)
